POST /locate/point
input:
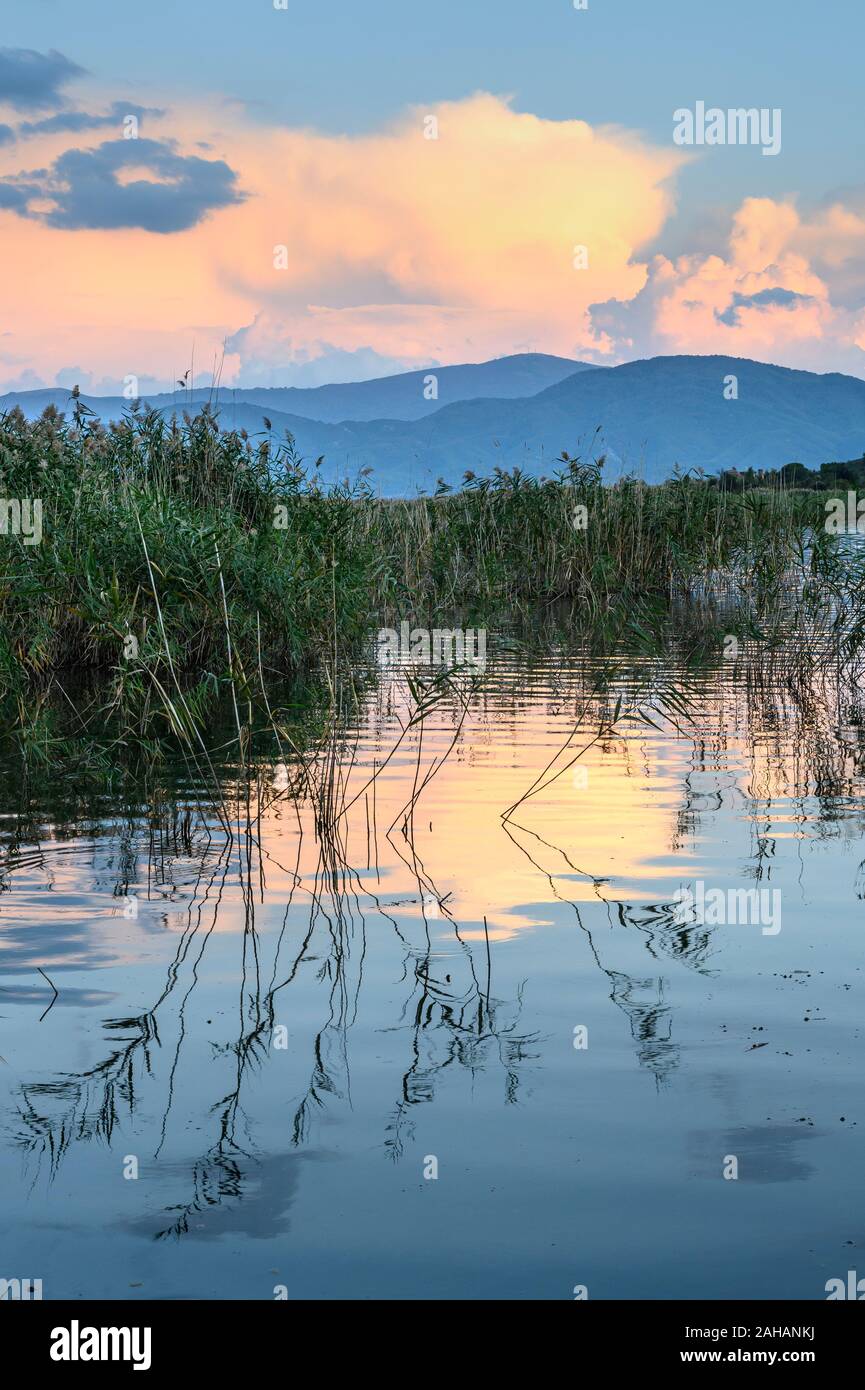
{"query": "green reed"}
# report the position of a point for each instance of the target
(178, 560)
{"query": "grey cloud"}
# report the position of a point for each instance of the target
(629, 323)
(75, 121)
(15, 198)
(762, 300)
(30, 80)
(85, 191)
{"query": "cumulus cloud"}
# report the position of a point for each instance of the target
(32, 80)
(350, 256)
(270, 357)
(400, 251)
(446, 248)
(124, 183)
(764, 298)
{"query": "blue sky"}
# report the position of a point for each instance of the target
(348, 66)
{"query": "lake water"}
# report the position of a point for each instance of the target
(473, 1057)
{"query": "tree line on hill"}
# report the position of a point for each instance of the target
(795, 475)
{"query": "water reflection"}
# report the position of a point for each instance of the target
(384, 948)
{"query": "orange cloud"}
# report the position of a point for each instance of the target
(358, 255)
(417, 249)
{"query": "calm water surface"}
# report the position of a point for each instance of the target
(288, 1033)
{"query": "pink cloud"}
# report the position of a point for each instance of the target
(402, 251)
(763, 299)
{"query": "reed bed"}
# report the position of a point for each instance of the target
(178, 557)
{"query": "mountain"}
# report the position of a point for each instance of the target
(402, 397)
(646, 417)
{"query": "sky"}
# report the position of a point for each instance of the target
(330, 192)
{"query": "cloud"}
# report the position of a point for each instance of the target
(68, 377)
(337, 257)
(14, 198)
(444, 249)
(762, 299)
(270, 358)
(768, 296)
(32, 80)
(125, 183)
(26, 380)
(73, 122)
(401, 251)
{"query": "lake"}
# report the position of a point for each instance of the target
(419, 1036)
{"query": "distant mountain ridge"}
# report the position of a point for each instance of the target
(407, 396)
(413, 395)
(647, 417)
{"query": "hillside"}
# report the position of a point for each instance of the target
(647, 417)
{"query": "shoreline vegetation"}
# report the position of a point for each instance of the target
(179, 562)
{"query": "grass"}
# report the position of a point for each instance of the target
(179, 561)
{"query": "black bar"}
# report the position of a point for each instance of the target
(265, 1338)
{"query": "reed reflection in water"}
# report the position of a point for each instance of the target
(429, 1022)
